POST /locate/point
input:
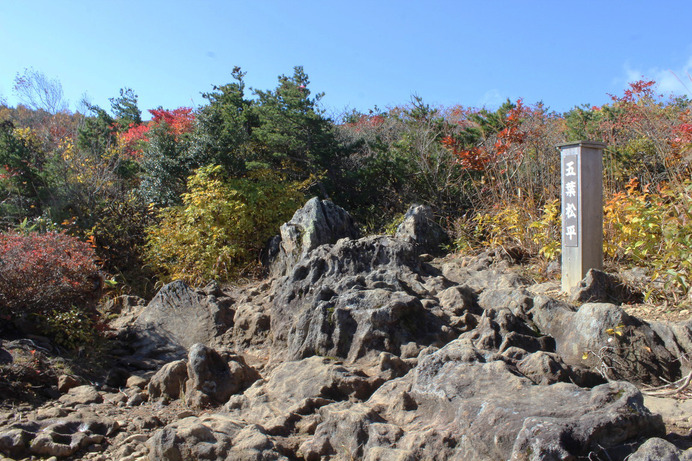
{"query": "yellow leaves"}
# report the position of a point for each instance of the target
(585, 356)
(513, 225)
(617, 331)
(222, 225)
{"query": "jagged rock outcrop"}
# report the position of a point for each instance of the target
(420, 228)
(463, 403)
(358, 349)
(317, 223)
(352, 299)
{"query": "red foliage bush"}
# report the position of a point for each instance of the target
(46, 272)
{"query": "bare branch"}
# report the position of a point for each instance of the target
(38, 92)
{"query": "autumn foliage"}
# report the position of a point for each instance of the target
(42, 272)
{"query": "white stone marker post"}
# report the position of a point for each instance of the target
(582, 210)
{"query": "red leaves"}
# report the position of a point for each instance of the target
(132, 140)
(45, 271)
(366, 122)
(501, 145)
(179, 120)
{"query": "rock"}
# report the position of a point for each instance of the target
(459, 405)
(55, 438)
(136, 399)
(14, 442)
(603, 337)
(598, 286)
(169, 381)
(319, 222)
(164, 331)
(518, 300)
(350, 300)
(656, 449)
(122, 311)
(544, 368)
(212, 379)
(677, 338)
(67, 382)
(117, 377)
(419, 226)
(81, 395)
(212, 437)
(251, 324)
(136, 381)
(298, 388)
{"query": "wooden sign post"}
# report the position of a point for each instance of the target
(582, 210)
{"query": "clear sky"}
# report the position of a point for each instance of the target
(360, 53)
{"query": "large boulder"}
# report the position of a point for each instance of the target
(604, 337)
(319, 222)
(463, 403)
(212, 378)
(164, 331)
(352, 299)
(599, 286)
(419, 226)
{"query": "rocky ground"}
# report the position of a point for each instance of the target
(363, 348)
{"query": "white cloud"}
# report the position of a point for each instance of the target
(491, 99)
(668, 81)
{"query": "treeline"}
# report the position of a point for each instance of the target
(195, 192)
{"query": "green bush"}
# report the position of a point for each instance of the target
(119, 236)
(223, 224)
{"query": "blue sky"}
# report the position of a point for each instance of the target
(360, 53)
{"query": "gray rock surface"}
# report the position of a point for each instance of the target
(212, 437)
(213, 378)
(419, 227)
(677, 338)
(459, 404)
(350, 300)
(602, 336)
(318, 222)
(60, 438)
(163, 330)
(296, 389)
(599, 286)
(169, 381)
(657, 449)
(81, 395)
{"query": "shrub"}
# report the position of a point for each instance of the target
(46, 272)
(513, 226)
(73, 328)
(653, 230)
(119, 237)
(222, 226)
